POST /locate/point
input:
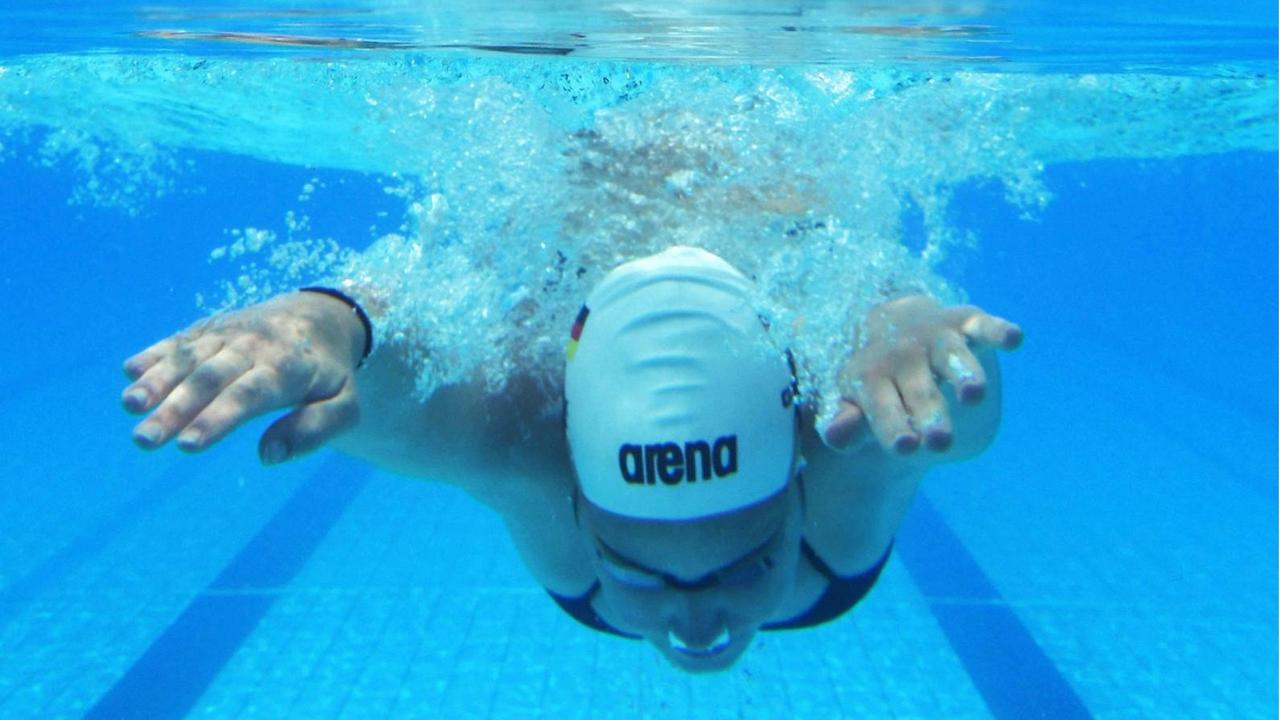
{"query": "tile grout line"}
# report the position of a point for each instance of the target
(987, 636)
(168, 679)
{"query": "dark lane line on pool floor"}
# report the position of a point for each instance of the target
(1008, 667)
(32, 584)
(169, 678)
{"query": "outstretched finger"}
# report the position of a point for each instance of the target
(309, 427)
(256, 392)
(135, 366)
(845, 428)
(983, 329)
(163, 376)
(924, 402)
(888, 417)
(202, 386)
(953, 361)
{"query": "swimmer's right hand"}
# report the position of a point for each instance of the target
(295, 351)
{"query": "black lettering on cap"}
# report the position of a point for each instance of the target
(671, 463)
(725, 455)
(631, 463)
(693, 451)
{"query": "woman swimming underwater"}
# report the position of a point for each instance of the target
(685, 496)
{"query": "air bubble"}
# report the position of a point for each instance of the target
(522, 182)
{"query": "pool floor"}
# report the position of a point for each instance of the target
(1103, 559)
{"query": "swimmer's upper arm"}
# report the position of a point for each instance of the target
(462, 434)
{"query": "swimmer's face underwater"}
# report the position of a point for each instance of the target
(697, 589)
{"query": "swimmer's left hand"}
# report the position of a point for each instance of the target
(891, 383)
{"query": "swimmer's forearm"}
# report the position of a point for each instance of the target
(449, 436)
(390, 433)
(865, 494)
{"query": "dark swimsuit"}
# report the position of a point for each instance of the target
(841, 595)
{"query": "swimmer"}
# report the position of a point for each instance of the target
(685, 495)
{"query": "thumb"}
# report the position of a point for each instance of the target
(309, 426)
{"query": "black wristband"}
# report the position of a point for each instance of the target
(355, 307)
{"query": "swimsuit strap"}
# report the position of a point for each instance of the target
(841, 595)
(818, 563)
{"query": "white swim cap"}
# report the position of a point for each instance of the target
(677, 404)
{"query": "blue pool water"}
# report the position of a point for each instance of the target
(1106, 178)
